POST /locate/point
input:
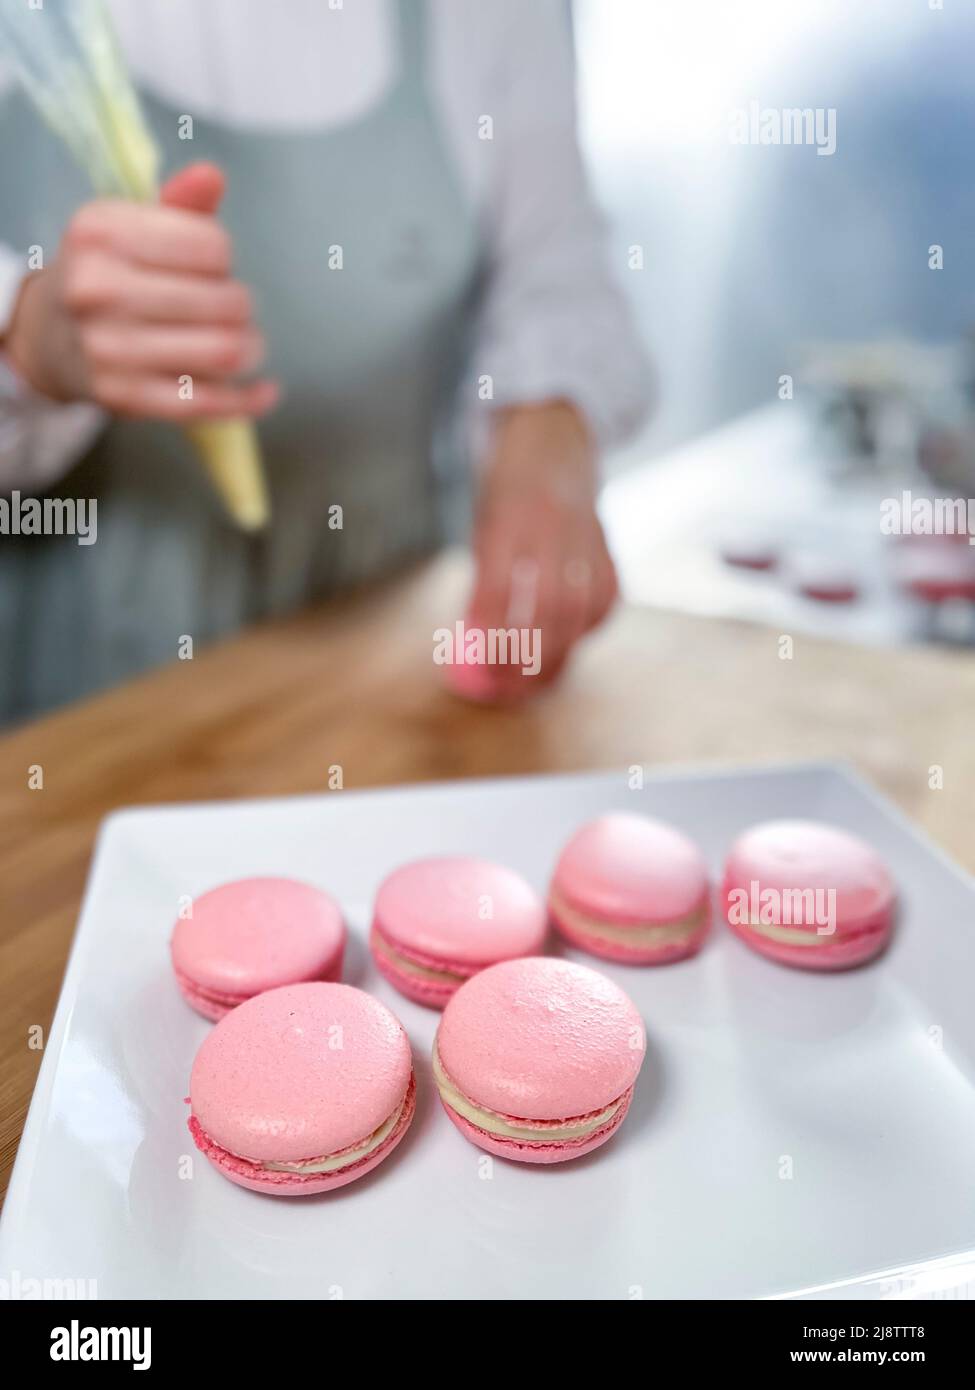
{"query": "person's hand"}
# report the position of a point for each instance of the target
(138, 296)
(539, 548)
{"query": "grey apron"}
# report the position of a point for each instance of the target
(368, 358)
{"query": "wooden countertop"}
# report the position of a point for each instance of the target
(353, 684)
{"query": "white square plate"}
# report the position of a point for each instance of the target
(791, 1133)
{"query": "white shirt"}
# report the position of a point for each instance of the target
(553, 319)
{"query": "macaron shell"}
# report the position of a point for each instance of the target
(257, 934)
(459, 911)
(293, 1184)
(541, 1039)
(204, 1004)
(537, 1153)
(808, 855)
(478, 681)
(470, 681)
(628, 868)
(300, 1073)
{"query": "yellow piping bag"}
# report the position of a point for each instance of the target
(68, 59)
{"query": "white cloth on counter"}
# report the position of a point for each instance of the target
(552, 320)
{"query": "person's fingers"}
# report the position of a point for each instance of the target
(524, 584)
(520, 585)
(167, 237)
(523, 579)
(577, 587)
(553, 614)
(491, 597)
(499, 590)
(556, 580)
(166, 298)
(158, 398)
(197, 188)
(528, 574)
(99, 284)
(605, 587)
(155, 349)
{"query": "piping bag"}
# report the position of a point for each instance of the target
(67, 57)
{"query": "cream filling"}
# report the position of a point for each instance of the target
(337, 1161)
(791, 936)
(527, 1132)
(641, 934)
(410, 967)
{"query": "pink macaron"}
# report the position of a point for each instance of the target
(631, 889)
(252, 935)
(302, 1089)
(471, 680)
(437, 922)
(473, 676)
(536, 1059)
(807, 894)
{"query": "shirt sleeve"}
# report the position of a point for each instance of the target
(554, 320)
(39, 439)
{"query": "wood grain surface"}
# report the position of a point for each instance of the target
(353, 683)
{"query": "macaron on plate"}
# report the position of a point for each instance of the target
(437, 922)
(808, 894)
(255, 934)
(535, 1060)
(631, 889)
(548, 1157)
(302, 1089)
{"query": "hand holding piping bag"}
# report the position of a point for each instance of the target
(228, 445)
(139, 295)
